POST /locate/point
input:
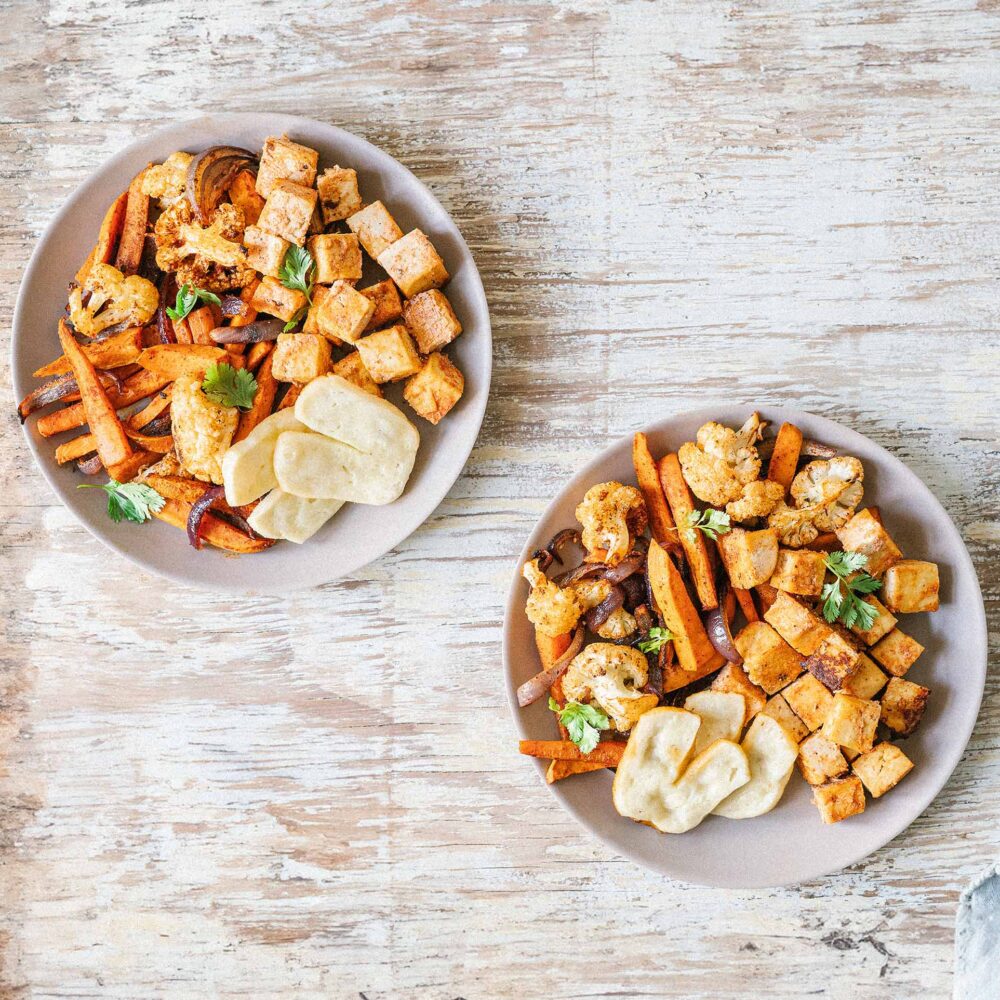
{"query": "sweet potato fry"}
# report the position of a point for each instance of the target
(263, 401)
(112, 444)
(127, 469)
(133, 235)
(137, 386)
(247, 314)
(179, 488)
(559, 769)
(157, 405)
(107, 239)
(160, 444)
(257, 353)
(243, 194)
(173, 361)
(60, 389)
(550, 648)
(785, 457)
(745, 600)
(121, 349)
(291, 394)
(550, 651)
(606, 754)
(214, 530)
(692, 541)
(70, 451)
(182, 331)
(202, 321)
(660, 522)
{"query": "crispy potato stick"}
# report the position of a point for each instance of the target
(112, 444)
(127, 469)
(137, 386)
(107, 239)
(785, 457)
(257, 353)
(291, 395)
(243, 194)
(152, 409)
(214, 530)
(606, 754)
(248, 313)
(745, 600)
(172, 361)
(202, 321)
(692, 541)
(263, 401)
(121, 349)
(133, 237)
(661, 523)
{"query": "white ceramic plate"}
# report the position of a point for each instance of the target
(357, 534)
(789, 844)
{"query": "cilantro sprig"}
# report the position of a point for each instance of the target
(583, 722)
(709, 522)
(187, 298)
(229, 386)
(655, 640)
(297, 272)
(842, 597)
(129, 501)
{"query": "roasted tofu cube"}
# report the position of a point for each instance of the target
(781, 712)
(840, 798)
(353, 369)
(337, 257)
(338, 193)
(820, 759)
(799, 571)
(866, 681)
(202, 429)
(897, 652)
(733, 678)
(911, 585)
(344, 313)
(288, 211)
(388, 304)
(749, 556)
(300, 357)
(375, 228)
(882, 768)
(389, 355)
(284, 160)
(809, 700)
(435, 389)
(903, 704)
(864, 533)
(851, 722)
(431, 320)
(768, 660)
(796, 624)
(883, 624)
(833, 661)
(273, 298)
(414, 264)
(265, 251)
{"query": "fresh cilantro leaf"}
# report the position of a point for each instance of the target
(710, 522)
(844, 563)
(842, 597)
(131, 501)
(229, 386)
(583, 722)
(296, 270)
(295, 320)
(655, 640)
(187, 298)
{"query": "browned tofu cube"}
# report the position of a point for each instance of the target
(768, 660)
(809, 700)
(749, 556)
(353, 369)
(344, 313)
(781, 712)
(435, 389)
(311, 325)
(883, 624)
(820, 759)
(840, 798)
(866, 681)
(796, 624)
(903, 704)
(284, 160)
(337, 257)
(388, 304)
(833, 661)
(799, 571)
(300, 357)
(734, 679)
(375, 228)
(414, 264)
(864, 533)
(265, 251)
(911, 585)
(431, 320)
(851, 722)
(882, 768)
(338, 193)
(389, 354)
(273, 298)
(897, 652)
(288, 211)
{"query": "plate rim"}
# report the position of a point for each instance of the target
(954, 750)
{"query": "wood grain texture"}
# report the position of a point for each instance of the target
(669, 202)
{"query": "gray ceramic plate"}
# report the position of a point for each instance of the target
(789, 844)
(358, 534)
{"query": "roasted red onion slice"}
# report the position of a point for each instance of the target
(232, 305)
(89, 465)
(632, 563)
(164, 325)
(201, 506)
(252, 333)
(719, 635)
(209, 175)
(60, 388)
(531, 690)
(597, 616)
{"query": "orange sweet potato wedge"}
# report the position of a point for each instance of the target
(785, 457)
(173, 361)
(128, 468)
(107, 239)
(660, 522)
(133, 235)
(121, 349)
(606, 754)
(243, 194)
(263, 401)
(137, 386)
(215, 531)
(202, 321)
(745, 600)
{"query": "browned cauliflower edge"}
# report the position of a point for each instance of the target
(611, 515)
(113, 299)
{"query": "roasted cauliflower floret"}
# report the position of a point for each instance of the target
(757, 499)
(202, 430)
(720, 460)
(613, 677)
(550, 608)
(833, 487)
(169, 465)
(794, 525)
(619, 625)
(611, 515)
(210, 257)
(113, 299)
(167, 181)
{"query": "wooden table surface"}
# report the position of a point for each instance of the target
(670, 203)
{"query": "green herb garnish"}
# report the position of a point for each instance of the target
(841, 597)
(187, 298)
(295, 320)
(655, 640)
(297, 269)
(229, 386)
(131, 501)
(710, 522)
(583, 722)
